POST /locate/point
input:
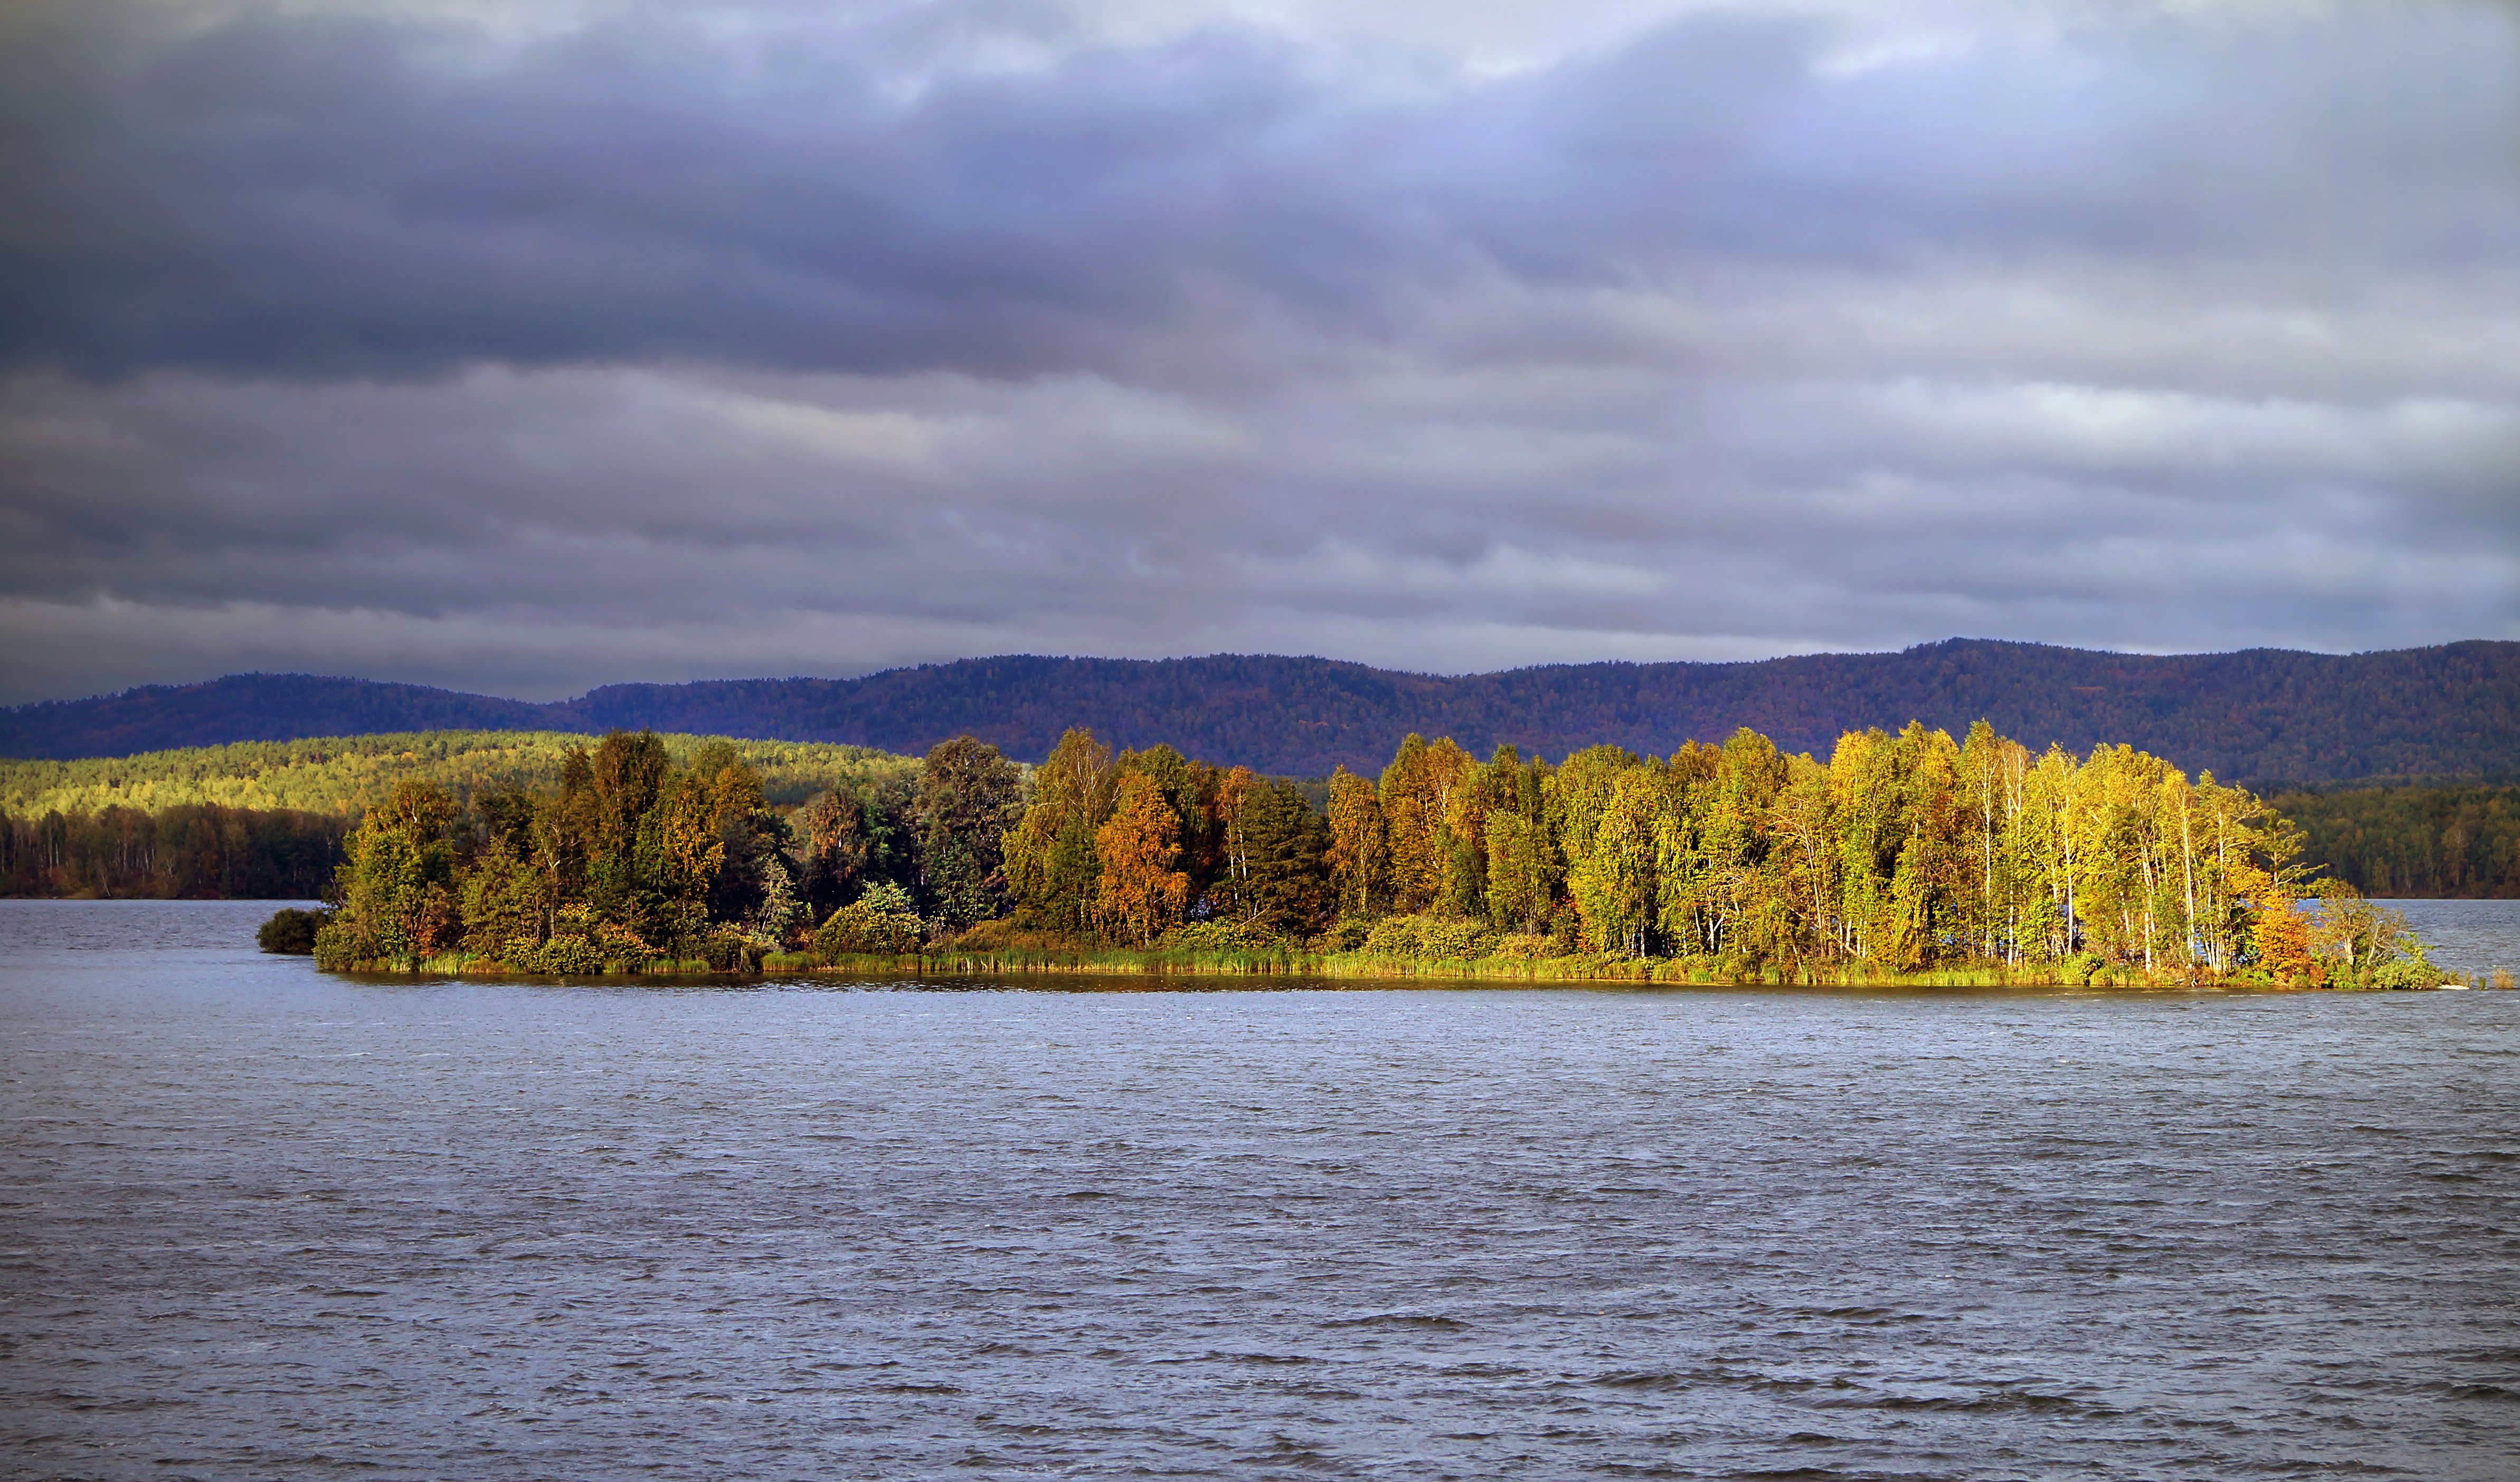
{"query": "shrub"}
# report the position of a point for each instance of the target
(339, 947)
(2411, 972)
(1219, 936)
(861, 927)
(1000, 934)
(2079, 969)
(291, 932)
(1346, 935)
(1453, 937)
(1428, 936)
(561, 956)
(620, 948)
(726, 951)
(1525, 947)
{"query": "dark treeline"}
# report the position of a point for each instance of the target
(194, 851)
(2264, 714)
(1902, 852)
(2457, 841)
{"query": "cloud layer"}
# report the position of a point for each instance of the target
(543, 347)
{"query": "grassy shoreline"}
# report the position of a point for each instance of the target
(1365, 970)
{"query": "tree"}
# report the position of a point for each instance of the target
(753, 839)
(1049, 856)
(397, 887)
(969, 797)
(1138, 893)
(1278, 880)
(505, 899)
(1417, 800)
(835, 850)
(2355, 931)
(1612, 881)
(1360, 856)
(1524, 870)
(2280, 937)
(624, 778)
(676, 861)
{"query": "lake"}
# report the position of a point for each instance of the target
(255, 1222)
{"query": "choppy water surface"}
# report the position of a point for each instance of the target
(259, 1223)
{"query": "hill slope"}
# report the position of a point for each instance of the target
(2260, 715)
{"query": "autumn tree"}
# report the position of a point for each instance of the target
(1524, 870)
(1417, 800)
(1359, 850)
(1051, 856)
(1614, 804)
(1137, 894)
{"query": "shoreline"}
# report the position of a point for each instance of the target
(1363, 971)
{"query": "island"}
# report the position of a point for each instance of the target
(1903, 858)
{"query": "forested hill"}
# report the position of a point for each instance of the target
(2263, 715)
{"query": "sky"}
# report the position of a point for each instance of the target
(529, 345)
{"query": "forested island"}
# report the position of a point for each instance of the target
(1902, 857)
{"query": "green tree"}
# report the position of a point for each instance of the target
(1278, 878)
(1612, 881)
(969, 797)
(397, 887)
(1524, 870)
(1050, 859)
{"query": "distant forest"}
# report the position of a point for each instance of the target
(191, 851)
(2266, 717)
(2458, 840)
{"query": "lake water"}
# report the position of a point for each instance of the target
(259, 1223)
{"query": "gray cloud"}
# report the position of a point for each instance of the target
(631, 346)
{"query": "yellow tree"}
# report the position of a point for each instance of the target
(1866, 799)
(1138, 893)
(1804, 857)
(1523, 869)
(1359, 850)
(2281, 937)
(1736, 836)
(678, 857)
(1417, 797)
(1931, 850)
(2045, 857)
(1479, 793)
(1050, 859)
(1992, 769)
(1612, 881)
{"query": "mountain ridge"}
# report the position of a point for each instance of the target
(2255, 716)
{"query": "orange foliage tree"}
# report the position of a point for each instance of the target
(1138, 893)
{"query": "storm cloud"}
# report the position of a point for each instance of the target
(530, 348)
